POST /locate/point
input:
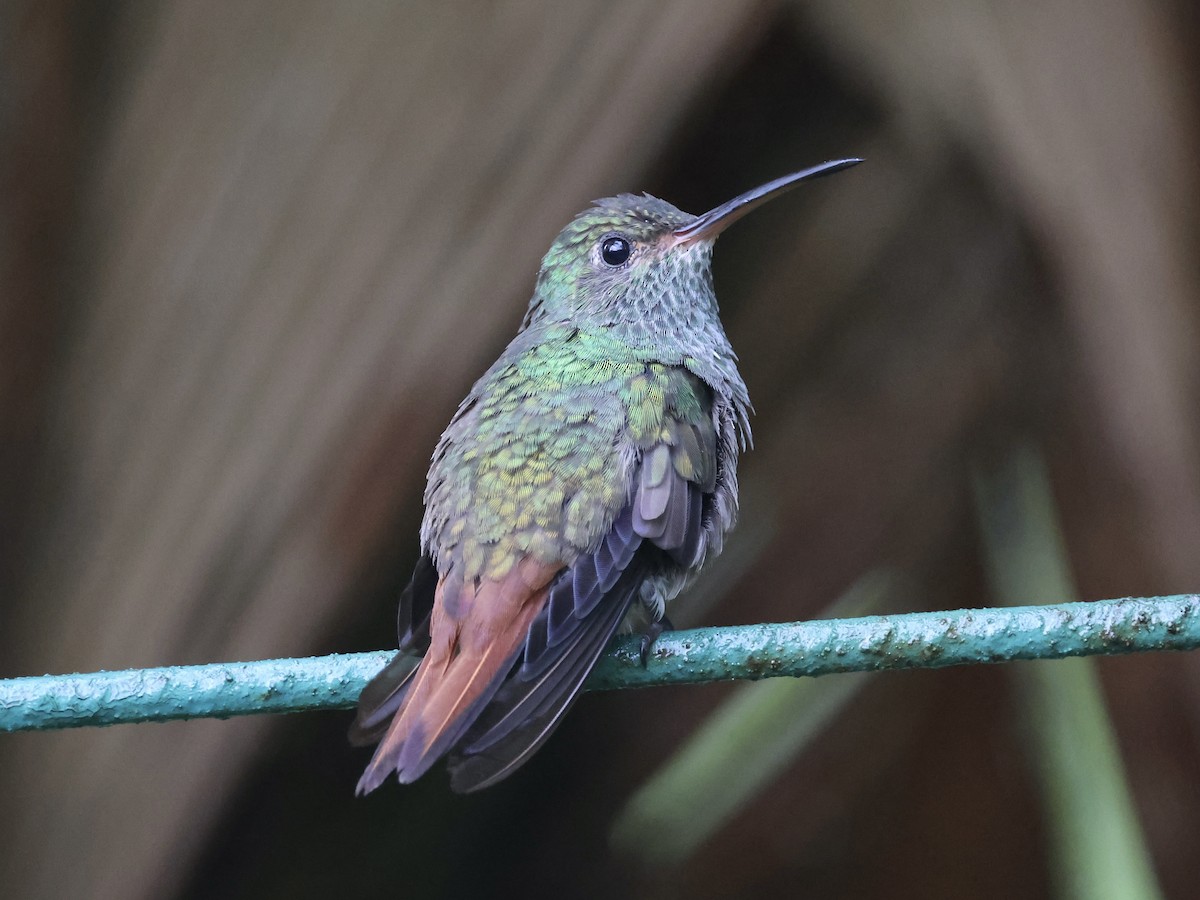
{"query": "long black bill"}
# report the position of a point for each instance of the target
(713, 222)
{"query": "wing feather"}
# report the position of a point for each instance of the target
(385, 693)
(523, 715)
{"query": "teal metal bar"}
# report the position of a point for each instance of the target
(908, 641)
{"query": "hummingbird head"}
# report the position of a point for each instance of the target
(637, 259)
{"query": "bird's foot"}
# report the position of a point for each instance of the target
(653, 630)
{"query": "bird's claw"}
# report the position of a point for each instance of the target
(651, 634)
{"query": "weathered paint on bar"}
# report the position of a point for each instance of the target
(907, 641)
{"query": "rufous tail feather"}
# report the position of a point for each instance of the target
(476, 635)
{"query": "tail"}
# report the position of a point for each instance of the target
(382, 698)
(476, 635)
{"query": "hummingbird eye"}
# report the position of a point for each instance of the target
(615, 250)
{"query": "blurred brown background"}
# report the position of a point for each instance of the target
(252, 254)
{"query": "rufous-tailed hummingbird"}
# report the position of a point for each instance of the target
(592, 467)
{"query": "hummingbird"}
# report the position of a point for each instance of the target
(592, 470)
